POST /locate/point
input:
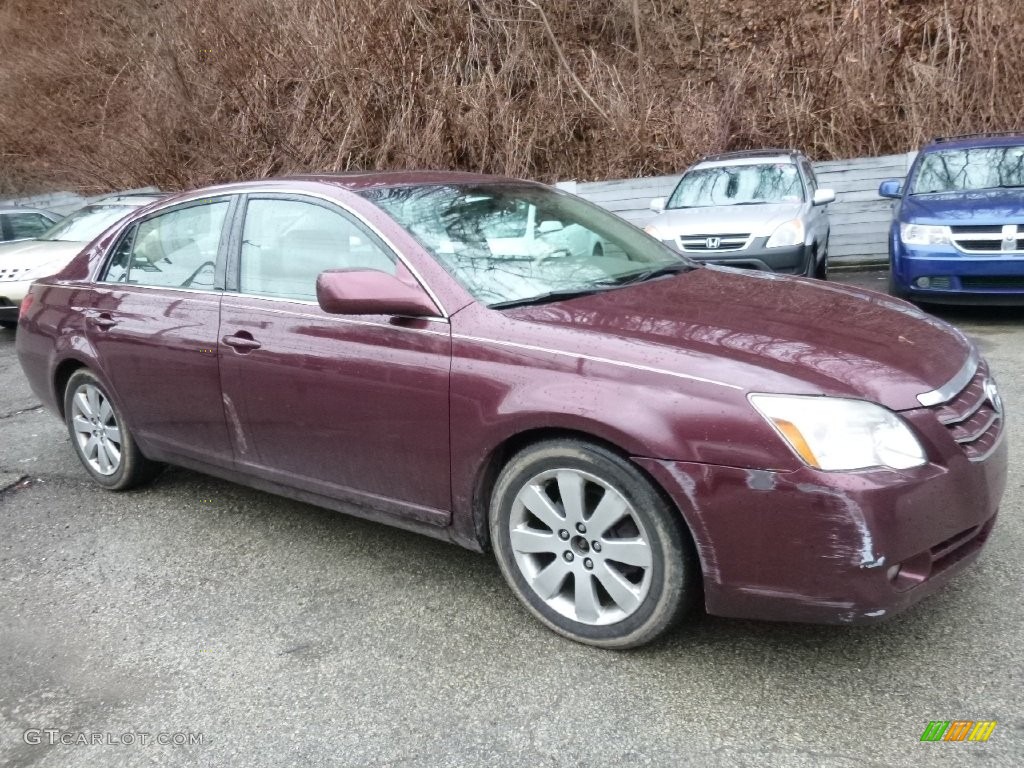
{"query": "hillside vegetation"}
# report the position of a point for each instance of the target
(103, 94)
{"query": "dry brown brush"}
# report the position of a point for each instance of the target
(101, 94)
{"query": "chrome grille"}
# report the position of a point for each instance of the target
(974, 421)
(709, 243)
(984, 238)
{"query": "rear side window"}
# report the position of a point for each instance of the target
(287, 243)
(24, 225)
(177, 249)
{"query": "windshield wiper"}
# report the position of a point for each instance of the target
(541, 298)
(632, 278)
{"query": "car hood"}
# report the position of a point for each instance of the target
(761, 332)
(19, 258)
(989, 206)
(761, 220)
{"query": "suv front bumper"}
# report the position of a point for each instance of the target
(790, 260)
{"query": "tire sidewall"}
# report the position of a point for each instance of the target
(670, 580)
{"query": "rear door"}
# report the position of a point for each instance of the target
(350, 407)
(154, 323)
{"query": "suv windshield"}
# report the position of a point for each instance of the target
(86, 223)
(520, 243)
(749, 184)
(960, 170)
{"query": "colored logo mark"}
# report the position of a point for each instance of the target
(958, 730)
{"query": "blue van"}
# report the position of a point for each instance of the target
(957, 235)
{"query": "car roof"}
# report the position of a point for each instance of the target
(972, 140)
(129, 198)
(364, 179)
(5, 209)
(767, 159)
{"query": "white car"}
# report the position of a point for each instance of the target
(23, 261)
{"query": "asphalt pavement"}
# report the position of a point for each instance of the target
(247, 630)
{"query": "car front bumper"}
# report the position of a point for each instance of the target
(788, 260)
(820, 546)
(954, 277)
(11, 295)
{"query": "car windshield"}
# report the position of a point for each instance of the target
(749, 184)
(86, 223)
(961, 170)
(522, 243)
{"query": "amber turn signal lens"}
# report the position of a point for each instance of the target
(792, 434)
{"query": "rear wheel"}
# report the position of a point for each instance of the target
(589, 545)
(101, 437)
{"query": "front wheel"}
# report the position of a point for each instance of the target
(589, 546)
(101, 437)
(9, 324)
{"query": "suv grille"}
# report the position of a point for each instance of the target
(705, 243)
(971, 417)
(995, 283)
(989, 238)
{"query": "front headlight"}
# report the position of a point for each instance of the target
(924, 234)
(790, 233)
(834, 433)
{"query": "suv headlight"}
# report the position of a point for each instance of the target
(832, 433)
(924, 234)
(790, 233)
(655, 231)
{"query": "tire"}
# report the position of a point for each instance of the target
(651, 593)
(114, 460)
(895, 290)
(821, 265)
(9, 324)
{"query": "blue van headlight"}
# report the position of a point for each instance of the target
(924, 234)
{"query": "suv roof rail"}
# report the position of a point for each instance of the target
(767, 152)
(978, 135)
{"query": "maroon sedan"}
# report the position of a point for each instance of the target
(508, 367)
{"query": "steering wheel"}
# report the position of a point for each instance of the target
(195, 274)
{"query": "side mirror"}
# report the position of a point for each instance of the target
(369, 292)
(548, 226)
(658, 204)
(891, 188)
(824, 197)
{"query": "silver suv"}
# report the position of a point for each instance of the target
(759, 209)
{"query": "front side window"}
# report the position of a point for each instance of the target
(177, 249)
(287, 243)
(961, 170)
(510, 243)
(26, 225)
(749, 184)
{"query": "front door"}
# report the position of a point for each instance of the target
(354, 408)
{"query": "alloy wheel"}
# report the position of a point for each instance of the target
(96, 430)
(580, 546)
